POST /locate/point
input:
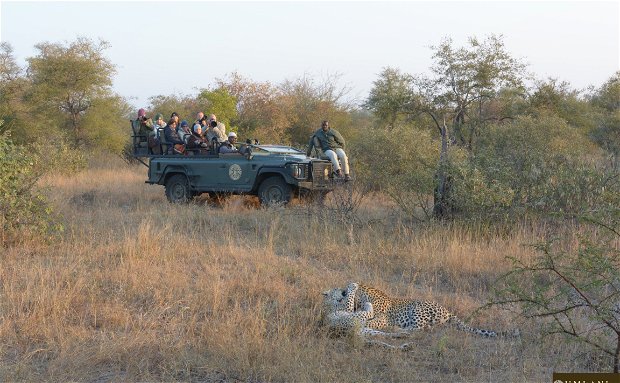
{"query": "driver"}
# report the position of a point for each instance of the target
(228, 146)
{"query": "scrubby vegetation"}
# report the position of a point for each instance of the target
(457, 174)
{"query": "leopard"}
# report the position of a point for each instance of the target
(340, 315)
(405, 314)
(342, 319)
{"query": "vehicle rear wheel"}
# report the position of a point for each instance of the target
(274, 191)
(177, 189)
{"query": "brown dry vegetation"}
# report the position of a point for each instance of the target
(139, 290)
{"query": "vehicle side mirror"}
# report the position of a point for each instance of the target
(248, 153)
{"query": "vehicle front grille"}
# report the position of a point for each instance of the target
(321, 172)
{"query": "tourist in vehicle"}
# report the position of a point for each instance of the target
(216, 124)
(160, 124)
(175, 145)
(199, 116)
(228, 146)
(203, 125)
(183, 131)
(145, 123)
(214, 132)
(196, 141)
(175, 116)
(145, 131)
(332, 144)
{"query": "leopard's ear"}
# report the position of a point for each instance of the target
(325, 293)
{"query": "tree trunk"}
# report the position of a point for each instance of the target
(440, 203)
(76, 127)
(617, 355)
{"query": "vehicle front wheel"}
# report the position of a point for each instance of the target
(177, 189)
(274, 191)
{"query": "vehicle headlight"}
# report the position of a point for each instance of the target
(299, 171)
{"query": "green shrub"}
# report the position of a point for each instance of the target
(532, 165)
(400, 162)
(24, 211)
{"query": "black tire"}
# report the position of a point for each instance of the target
(177, 189)
(274, 191)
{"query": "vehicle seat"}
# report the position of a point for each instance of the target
(140, 141)
(165, 145)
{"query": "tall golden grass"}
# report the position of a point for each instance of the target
(137, 289)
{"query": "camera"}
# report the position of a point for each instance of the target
(213, 124)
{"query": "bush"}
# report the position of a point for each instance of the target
(24, 211)
(532, 165)
(400, 162)
(573, 291)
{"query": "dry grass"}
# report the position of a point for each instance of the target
(139, 290)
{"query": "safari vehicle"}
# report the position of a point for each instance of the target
(274, 173)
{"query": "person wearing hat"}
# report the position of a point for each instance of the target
(146, 124)
(183, 131)
(196, 142)
(228, 146)
(160, 124)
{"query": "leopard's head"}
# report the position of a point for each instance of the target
(335, 299)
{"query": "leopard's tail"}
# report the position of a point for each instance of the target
(460, 325)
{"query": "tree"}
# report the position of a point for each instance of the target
(390, 96)
(106, 125)
(67, 79)
(466, 83)
(185, 106)
(12, 87)
(554, 97)
(259, 114)
(221, 103)
(306, 103)
(607, 131)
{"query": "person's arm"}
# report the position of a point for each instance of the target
(338, 137)
(173, 139)
(310, 146)
(227, 149)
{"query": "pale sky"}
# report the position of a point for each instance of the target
(180, 47)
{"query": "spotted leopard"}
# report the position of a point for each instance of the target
(402, 313)
(340, 316)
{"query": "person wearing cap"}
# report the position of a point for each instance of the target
(196, 141)
(183, 131)
(332, 144)
(228, 146)
(146, 124)
(160, 124)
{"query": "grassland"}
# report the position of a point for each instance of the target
(136, 289)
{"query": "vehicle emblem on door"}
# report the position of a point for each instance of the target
(234, 172)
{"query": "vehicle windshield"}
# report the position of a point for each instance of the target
(276, 149)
